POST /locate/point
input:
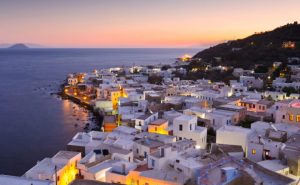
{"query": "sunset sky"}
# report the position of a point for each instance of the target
(139, 23)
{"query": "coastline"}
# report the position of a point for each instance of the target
(97, 118)
(44, 113)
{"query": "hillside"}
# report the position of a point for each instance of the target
(259, 48)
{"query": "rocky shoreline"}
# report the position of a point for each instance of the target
(97, 118)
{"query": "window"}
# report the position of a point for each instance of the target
(253, 151)
(180, 127)
(291, 117)
(190, 126)
(298, 118)
(152, 162)
(267, 154)
(179, 169)
(283, 116)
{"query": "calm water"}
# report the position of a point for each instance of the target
(35, 124)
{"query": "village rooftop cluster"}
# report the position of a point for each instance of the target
(160, 129)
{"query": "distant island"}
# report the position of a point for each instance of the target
(18, 46)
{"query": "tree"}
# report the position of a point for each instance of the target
(261, 69)
(165, 67)
(246, 123)
(289, 90)
(155, 79)
(269, 98)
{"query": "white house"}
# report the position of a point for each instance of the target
(119, 172)
(160, 159)
(14, 180)
(171, 115)
(251, 81)
(288, 111)
(141, 123)
(208, 95)
(93, 168)
(234, 135)
(216, 117)
(185, 127)
(265, 148)
(275, 95)
(61, 168)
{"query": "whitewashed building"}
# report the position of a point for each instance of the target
(185, 127)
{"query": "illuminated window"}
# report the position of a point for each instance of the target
(298, 118)
(291, 117)
(253, 151)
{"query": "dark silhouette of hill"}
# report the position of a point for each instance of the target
(18, 46)
(259, 48)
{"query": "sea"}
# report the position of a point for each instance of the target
(34, 122)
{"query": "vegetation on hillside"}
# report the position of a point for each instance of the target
(260, 48)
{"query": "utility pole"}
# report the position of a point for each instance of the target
(55, 171)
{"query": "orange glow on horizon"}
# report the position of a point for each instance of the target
(136, 23)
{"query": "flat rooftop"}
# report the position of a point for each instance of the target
(185, 118)
(235, 129)
(14, 180)
(89, 182)
(125, 130)
(65, 155)
(101, 166)
(155, 136)
(230, 148)
(172, 113)
(149, 142)
(273, 165)
(45, 166)
(145, 116)
(158, 122)
(292, 149)
(166, 175)
(231, 107)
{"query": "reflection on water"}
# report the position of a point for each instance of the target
(77, 115)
